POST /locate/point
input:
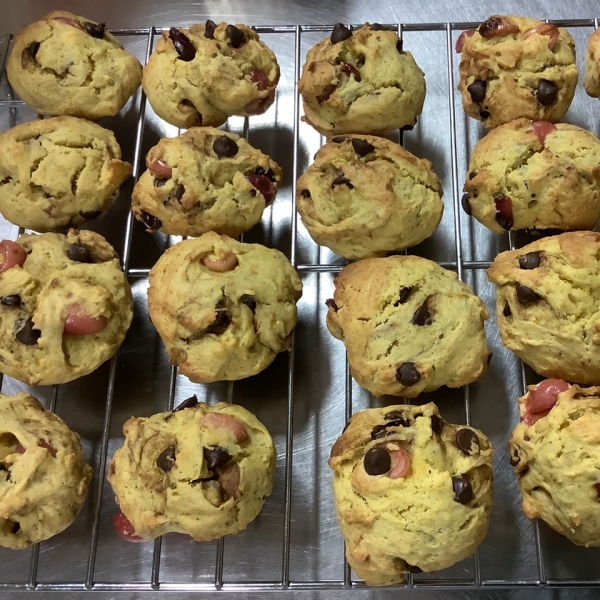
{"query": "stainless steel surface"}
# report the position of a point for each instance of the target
(304, 398)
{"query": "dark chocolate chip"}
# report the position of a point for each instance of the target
(394, 415)
(249, 301)
(546, 92)
(362, 147)
(531, 260)
(150, 221)
(379, 431)
(408, 374)
(166, 459)
(330, 303)
(400, 46)
(90, 215)
(79, 253)
(477, 91)
(209, 29)
(377, 461)
(466, 439)
(466, 204)
(463, 492)
(472, 175)
(326, 93)
(225, 146)
(404, 295)
(422, 315)
(222, 321)
(27, 334)
(32, 49)
(506, 311)
(413, 569)
(305, 193)
(484, 114)
(341, 180)
(160, 182)
(11, 300)
(437, 424)
(236, 36)
(216, 457)
(526, 295)
(16, 526)
(541, 233)
(187, 403)
(185, 49)
(377, 27)
(338, 139)
(179, 192)
(504, 213)
(340, 33)
(96, 30)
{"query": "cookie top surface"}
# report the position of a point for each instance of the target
(57, 173)
(68, 65)
(361, 82)
(548, 305)
(43, 473)
(535, 175)
(204, 74)
(411, 491)
(514, 67)
(204, 471)
(205, 180)
(591, 81)
(555, 453)
(223, 309)
(409, 326)
(65, 306)
(366, 196)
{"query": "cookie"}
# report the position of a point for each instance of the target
(412, 492)
(591, 81)
(65, 306)
(409, 326)
(367, 196)
(43, 474)
(361, 82)
(58, 172)
(514, 67)
(223, 309)
(204, 74)
(204, 180)
(68, 65)
(200, 470)
(548, 305)
(556, 451)
(535, 175)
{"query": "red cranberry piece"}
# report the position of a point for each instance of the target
(68, 21)
(125, 528)
(45, 444)
(161, 169)
(80, 324)
(542, 129)
(13, 255)
(504, 213)
(264, 185)
(542, 399)
(351, 70)
(460, 42)
(260, 79)
(497, 27)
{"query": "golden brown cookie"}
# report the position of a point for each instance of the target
(591, 82)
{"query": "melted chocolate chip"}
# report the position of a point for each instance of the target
(209, 29)
(79, 253)
(408, 374)
(437, 424)
(160, 182)
(27, 333)
(466, 205)
(546, 92)
(529, 261)
(467, 441)
(305, 193)
(150, 221)
(526, 295)
(11, 300)
(179, 192)
(338, 139)
(330, 303)
(222, 321)
(340, 33)
(484, 114)
(326, 93)
(341, 180)
(216, 457)
(96, 30)
(463, 492)
(185, 49)
(362, 147)
(477, 91)
(377, 461)
(506, 311)
(187, 403)
(404, 295)
(236, 36)
(225, 146)
(413, 569)
(422, 315)
(377, 27)
(166, 459)
(249, 301)
(400, 46)
(90, 215)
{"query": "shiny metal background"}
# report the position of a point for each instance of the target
(304, 398)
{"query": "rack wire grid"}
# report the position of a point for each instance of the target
(295, 543)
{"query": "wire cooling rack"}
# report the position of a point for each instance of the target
(465, 247)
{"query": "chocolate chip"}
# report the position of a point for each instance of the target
(79, 253)
(504, 213)
(422, 315)
(150, 221)
(472, 175)
(410, 126)
(477, 91)
(400, 46)
(305, 193)
(413, 569)
(408, 374)
(484, 114)
(236, 36)
(249, 301)
(546, 92)
(90, 215)
(506, 312)
(465, 440)
(179, 192)
(209, 29)
(32, 49)
(404, 295)
(222, 321)
(184, 47)
(338, 139)
(362, 147)
(11, 300)
(437, 424)
(377, 27)
(96, 30)
(16, 526)
(526, 295)
(340, 33)
(379, 431)
(326, 93)
(166, 459)
(330, 303)
(160, 182)
(394, 415)
(187, 403)
(466, 204)
(529, 261)
(341, 180)
(377, 461)
(216, 457)
(463, 492)
(225, 146)
(27, 334)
